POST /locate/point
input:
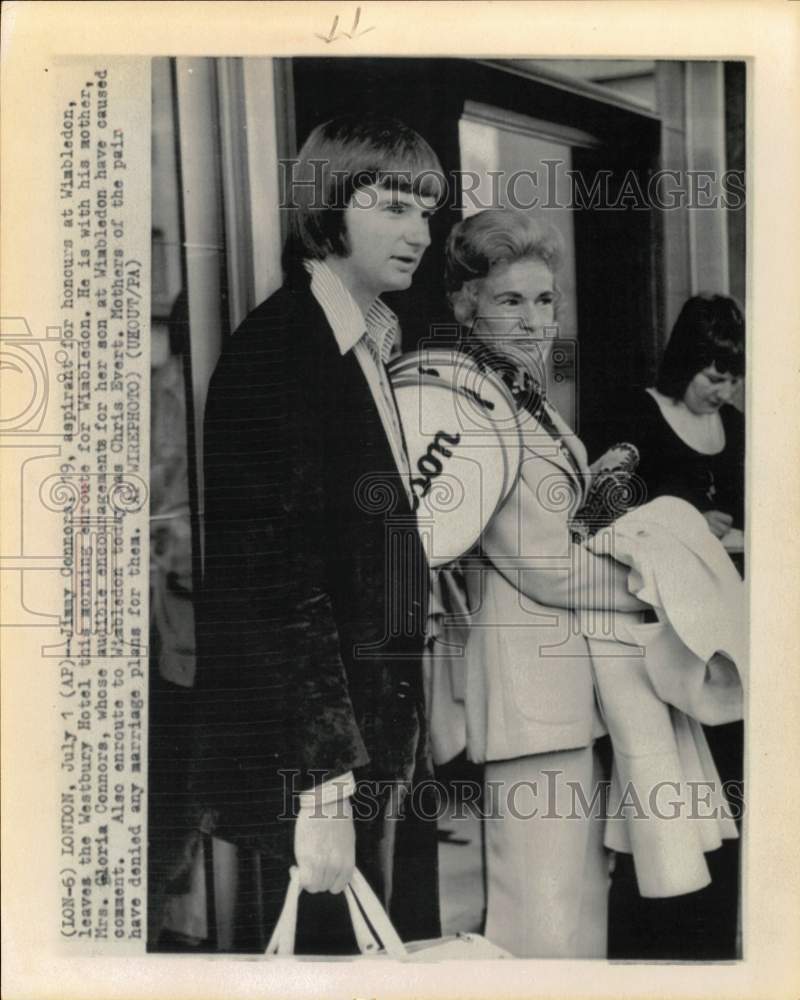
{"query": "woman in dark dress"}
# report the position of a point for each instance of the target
(691, 445)
(690, 440)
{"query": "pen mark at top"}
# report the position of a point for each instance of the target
(353, 33)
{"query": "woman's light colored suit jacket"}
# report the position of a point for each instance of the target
(529, 686)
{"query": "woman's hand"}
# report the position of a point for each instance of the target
(719, 522)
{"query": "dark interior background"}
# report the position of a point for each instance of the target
(619, 309)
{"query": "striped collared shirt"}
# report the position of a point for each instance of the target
(372, 339)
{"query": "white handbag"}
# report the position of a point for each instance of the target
(374, 933)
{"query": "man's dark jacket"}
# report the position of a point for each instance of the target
(313, 605)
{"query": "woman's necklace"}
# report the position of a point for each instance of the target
(711, 491)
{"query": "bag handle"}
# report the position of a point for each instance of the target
(368, 943)
(364, 896)
(282, 940)
(364, 907)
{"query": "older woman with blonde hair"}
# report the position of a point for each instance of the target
(532, 718)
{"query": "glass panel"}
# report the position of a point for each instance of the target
(172, 638)
(170, 516)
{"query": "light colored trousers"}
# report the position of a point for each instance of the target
(547, 873)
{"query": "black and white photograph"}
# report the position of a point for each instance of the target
(398, 511)
(448, 619)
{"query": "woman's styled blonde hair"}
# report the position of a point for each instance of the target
(495, 236)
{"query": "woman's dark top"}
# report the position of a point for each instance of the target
(668, 466)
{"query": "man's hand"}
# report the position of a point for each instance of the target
(719, 522)
(325, 846)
